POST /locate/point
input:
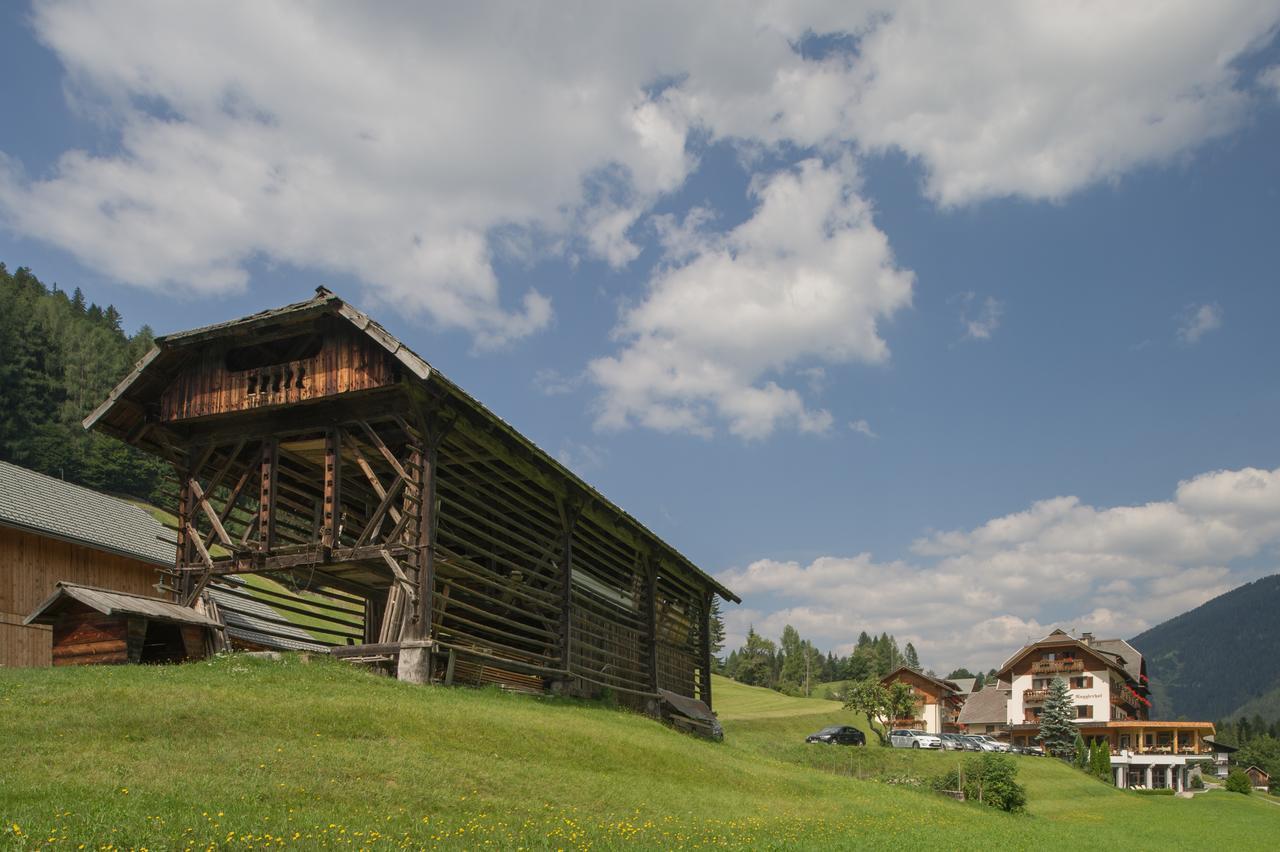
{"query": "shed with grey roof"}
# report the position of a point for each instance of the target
(94, 626)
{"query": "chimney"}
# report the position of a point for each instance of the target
(1086, 638)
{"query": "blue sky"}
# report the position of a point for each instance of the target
(957, 327)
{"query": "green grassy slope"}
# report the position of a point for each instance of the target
(247, 753)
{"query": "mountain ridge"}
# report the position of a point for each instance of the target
(1219, 659)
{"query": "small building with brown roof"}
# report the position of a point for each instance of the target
(1258, 777)
(939, 701)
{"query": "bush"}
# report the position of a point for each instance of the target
(1158, 791)
(1197, 782)
(1238, 782)
(991, 779)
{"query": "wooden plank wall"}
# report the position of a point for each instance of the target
(30, 567)
(348, 361)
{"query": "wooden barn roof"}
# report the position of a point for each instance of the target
(122, 414)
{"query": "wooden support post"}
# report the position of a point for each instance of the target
(332, 511)
(568, 520)
(267, 496)
(651, 612)
(704, 682)
(415, 654)
(184, 550)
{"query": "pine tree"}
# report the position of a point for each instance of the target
(1057, 721)
(1101, 763)
(912, 659)
(716, 620)
(1083, 756)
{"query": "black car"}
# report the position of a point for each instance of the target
(838, 735)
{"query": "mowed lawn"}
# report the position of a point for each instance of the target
(246, 753)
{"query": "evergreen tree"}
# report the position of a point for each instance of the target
(1101, 760)
(716, 621)
(961, 672)
(755, 660)
(1083, 757)
(1057, 721)
(911, 658)
(979, 682)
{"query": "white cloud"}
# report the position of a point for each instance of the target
(981, 323)
(580, 457)
(862, 427)
(410, 147)
(1198, 320)
(808, 277)
(554, 383)
(972, 596)
(1271, 79)
(1038, 99)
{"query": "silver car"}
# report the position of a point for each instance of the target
(903, 738)
(995, 744)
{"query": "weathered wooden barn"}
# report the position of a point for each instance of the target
(312, 446)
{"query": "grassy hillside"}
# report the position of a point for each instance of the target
(248, 753)
(1209, 662)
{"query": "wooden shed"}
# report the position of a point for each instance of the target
(51, 530)
(98, 626)
(314, 447)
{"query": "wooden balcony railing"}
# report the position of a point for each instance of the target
(1042, 666)
(1034, 696)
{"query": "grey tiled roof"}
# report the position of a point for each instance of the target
(985, 707)
(43, 504)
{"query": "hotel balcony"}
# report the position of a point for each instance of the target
(1034, 696)
(1053, 666)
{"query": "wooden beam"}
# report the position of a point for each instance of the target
(704, 682)
(267, 495)
(382, 448)
(214, 521)
(331, 517)
(651, 612)
(568, 520)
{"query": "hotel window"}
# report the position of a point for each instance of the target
(1084, 711)
(1085, 682)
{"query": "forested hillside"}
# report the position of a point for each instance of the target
(1211, 662)
(59, 357)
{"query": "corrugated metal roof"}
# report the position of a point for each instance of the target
(108, 602)
(243, 621)
(43, 504)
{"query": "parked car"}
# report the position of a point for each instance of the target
(903, 738)
(995, 743)
(952, 742)
(974, 743)
(1029, 750)
(838, 735)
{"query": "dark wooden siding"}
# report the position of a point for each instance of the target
(347, 361)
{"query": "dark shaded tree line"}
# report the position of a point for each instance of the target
(60, 356)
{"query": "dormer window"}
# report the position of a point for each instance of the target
(270, 353)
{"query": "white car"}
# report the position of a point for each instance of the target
(903, 738)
